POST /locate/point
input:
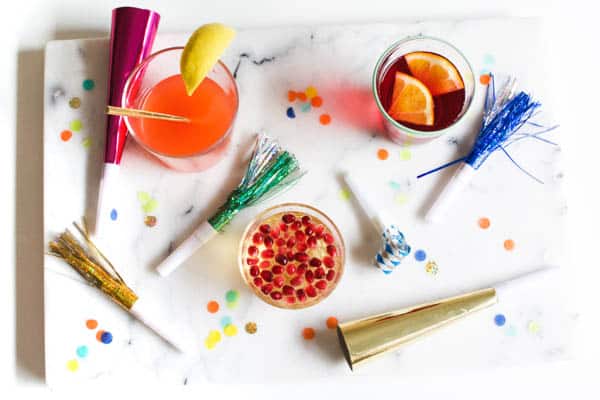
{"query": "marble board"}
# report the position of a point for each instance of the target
(338, 61)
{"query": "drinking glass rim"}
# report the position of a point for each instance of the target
(130, 129)
(411, 131)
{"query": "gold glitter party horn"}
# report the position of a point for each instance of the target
(98, 271)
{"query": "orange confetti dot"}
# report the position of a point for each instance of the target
(301, 96)
(332, 322)
(484, 79)
(91, 324)
(324, 119)
(291, 95)
(66, 135)
(99, 335)
(483, 222)
(382, 154)
(212, 306)
(308, 333)
(316, 101)
(509, 244)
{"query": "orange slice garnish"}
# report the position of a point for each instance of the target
(411, 101)
(437, 73)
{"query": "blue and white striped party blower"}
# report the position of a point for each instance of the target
(394, 247)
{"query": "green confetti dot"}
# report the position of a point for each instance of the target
(232, 305)
(305, 107)
(76, 125)
(88, 84)
(394, 185)
(488, 59)
(344, 194)
(82, 351)
(150, 206)
(86, 142)
(405, 154)
(232, 296)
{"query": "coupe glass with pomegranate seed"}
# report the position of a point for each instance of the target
(292, 256)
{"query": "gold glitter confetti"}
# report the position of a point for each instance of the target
(75, 102)
(150, 220)
(431, 268)
(251, 328)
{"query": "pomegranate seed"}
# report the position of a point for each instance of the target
(281, 250)
(287, 290)
(251, 261)
(332, 250)
(301, 256)
(301, 269)
(291, 269)
(309, 276)
(296, 281)
(319, 229)
(328, 238)
(257, 238)
(305, 220)
(254, 271)
(296, 225)
(265, 228)
(258, 282)
(252, 250)
(291, 242)
(280, 242)
(310, 291)
(264, 264)
(309, 231)
(283, 227)
(289, 255)
(290, 299)
(330, 275)
(288, 218)
(321, 285)
(281, 259)
(301, 247)
(277, 270)
(315, 262)
(267, 253)
(300, 295)
(268, 241)
(328, 261)
(278, 281)
(319, 273)
(276, 295)
(267, 275)
(266, 289)
(312, 242)
(275, 232)
(300, 236)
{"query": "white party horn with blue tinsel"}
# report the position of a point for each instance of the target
(504, 116)
(394, 248)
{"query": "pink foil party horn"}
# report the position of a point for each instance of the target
(131, 36)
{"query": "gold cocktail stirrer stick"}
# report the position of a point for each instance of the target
(132, 112)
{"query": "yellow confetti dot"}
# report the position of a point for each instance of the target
(344, 194)
(209, 344)
(533, 327)
(230, 330)
(72, 365)
(214, 336)
(310, 92)
(401, 198)
(405, 154)
(76, 125)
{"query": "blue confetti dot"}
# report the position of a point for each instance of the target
(82, 351)
(386, 271)
(106, 337)
(113, 214)
(225, 321)
(420, 255)
(290, 112)
(499, 319)
(88, 84)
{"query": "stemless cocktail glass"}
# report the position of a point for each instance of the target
(402, 132)
(156, 85)
(292, 256)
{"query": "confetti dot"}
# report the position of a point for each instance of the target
(499, 319)
(431, 268)
(226, 320)
(212, 307)
(316, 101)
(401, 198)
(325, 119)
(308, 333)
(405, 154)
(251, 328)
(344, 194)
(143, 197)
(209, 344)
(150, 220)
(66, 135)
(331, 322)
(99, 335)
(533, 327)
(214, 336)
(484, 79)
(150, 206)
(511, 330)
(88, 84)
(75, 102)
(310, 92)
(420, 255)
(232, 305)
(488, 59)
(230, 330)
(76, 125)
(86, 142)
(305, 107)
(301, 96)
(232, 295)
(483, 222)
(73, 365)
(291, 95)
(290, 112)
(113, 214)
(106, 337)
(91, 324)
(509, 244)
(382, 154)
(82, 351)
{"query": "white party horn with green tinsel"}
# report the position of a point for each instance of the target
(271, 170)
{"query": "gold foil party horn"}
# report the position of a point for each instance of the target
(366, 338)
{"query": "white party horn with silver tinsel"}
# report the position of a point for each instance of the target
(393, 248)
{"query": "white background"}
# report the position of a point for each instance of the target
(573, 34)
